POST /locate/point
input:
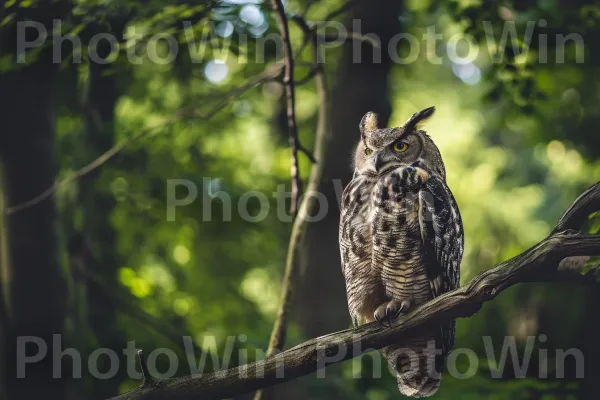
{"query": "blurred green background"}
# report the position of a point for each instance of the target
(98, 262)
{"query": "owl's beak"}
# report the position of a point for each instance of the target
(381, 162)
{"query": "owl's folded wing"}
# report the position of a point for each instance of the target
(442, 234)
(443, 242)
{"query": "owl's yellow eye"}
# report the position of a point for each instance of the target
(368, 151)
(400, 147)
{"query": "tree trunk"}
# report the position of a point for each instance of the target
(33, 280)
(32, 275)
(100, 258)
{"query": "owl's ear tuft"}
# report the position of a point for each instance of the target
(418, 119)
(368, 123)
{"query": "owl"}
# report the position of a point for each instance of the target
(401, 242)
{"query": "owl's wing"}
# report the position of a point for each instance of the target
(443, 241)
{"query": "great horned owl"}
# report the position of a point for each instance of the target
(401, 242)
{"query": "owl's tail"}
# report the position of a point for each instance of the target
(417, 366)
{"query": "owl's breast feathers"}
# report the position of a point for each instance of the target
(400, 237)
(396, 235)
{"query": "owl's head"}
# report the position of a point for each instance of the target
(382, 150)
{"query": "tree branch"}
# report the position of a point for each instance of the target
(539, 263)
(288, 81)
(585, 205)
(148, 381)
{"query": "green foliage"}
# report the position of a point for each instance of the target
(518, 146)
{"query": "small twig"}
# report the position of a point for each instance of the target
(310, 31)
(86, 169)
(579, 211)
(307, 153)
(306, 29)
(269, 73)
(148, 381)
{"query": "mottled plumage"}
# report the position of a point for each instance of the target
(401, 242)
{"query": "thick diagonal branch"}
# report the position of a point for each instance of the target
(539, 263)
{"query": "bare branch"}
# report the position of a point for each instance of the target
(148, 380)
(540, 261)
(279, 331)
(308, 154)
(81, 172)
(288, 81)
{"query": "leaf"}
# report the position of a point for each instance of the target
(594, 221)
(592, 264)
(6, 62)
(6, 20)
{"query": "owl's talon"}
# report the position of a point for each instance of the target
(395, 307)
(380, 314)
(381, 321)
(386, 312)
